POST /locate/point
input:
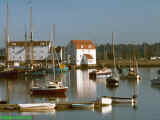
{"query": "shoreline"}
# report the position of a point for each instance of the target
(126, 63)
(120, 63)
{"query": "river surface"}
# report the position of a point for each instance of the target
(81, 88)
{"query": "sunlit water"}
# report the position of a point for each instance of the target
(83, 89)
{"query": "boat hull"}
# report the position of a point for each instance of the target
(48, 91)
(130, 77)
(94, 75)
(9, 74)
(111, 82)
(155, 82)
(36, 107)
(82, 106)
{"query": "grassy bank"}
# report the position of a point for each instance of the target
(126, 63)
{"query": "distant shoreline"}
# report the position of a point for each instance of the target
(126, 63)
(120, 63)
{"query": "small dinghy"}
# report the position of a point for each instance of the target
(108, 100)
(36, 107)
(82, 106)
(156, 81)
(103, 73)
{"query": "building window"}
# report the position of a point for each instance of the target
(81, 46)
(89, 46)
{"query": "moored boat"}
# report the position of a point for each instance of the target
(9, 73)
(156, 81)
(131, 76)
(133, 73)
(36, 107)
(102, 73)
(108, 100)
(39, 90)
(51, 88)
(62, 68)
(3, 102)
(82, 106)
(105, 72)
(112, 82)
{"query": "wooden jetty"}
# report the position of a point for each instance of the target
(38, 107)
(75, 105)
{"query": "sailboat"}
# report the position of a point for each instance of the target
(132, 71)
(113, 81)
(52, 87)
(7, 71)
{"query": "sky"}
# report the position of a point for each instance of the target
(132, 21)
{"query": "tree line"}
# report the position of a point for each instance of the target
(126, 51)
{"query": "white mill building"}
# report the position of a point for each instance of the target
(81, 52)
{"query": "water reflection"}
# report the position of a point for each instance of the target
(2, 90)
(156, 87)
(82, 86)
(134, 85)
(14, 89)
(50, 97)
(53, 112)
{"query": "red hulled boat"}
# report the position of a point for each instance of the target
(51, 88)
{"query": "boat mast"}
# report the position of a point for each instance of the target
(25, 35)
(113, 50)
(61, 53)
(25, 43)
(135, 64)
(31, 35)
(8, 33)
(134, 60)
(52, 54)
(54, 37)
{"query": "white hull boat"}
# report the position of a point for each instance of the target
(104, 73)
(37, 107)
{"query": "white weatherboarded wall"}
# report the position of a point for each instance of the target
(16, 53)
(40, 52)
(80, 53)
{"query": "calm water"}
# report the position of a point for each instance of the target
(83, 89)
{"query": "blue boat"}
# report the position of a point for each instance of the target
(65, 69)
